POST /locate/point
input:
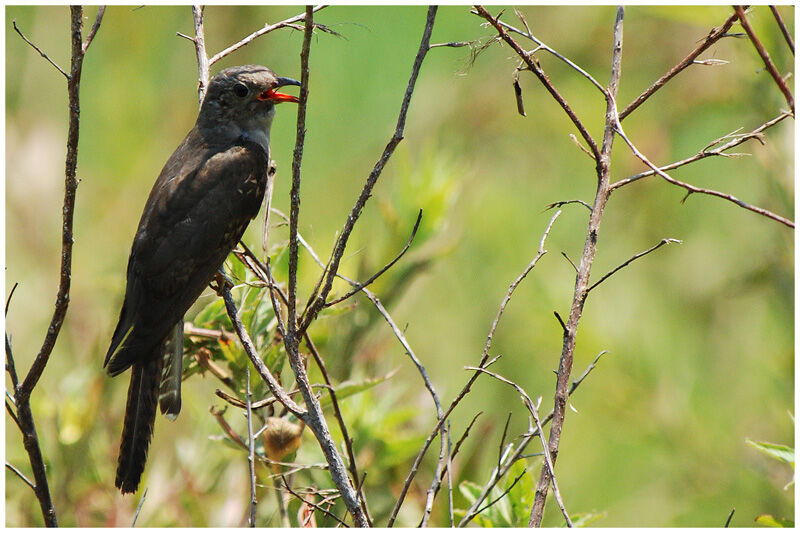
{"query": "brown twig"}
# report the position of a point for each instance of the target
(714, 35)
(701, 190)
(203, 64)
(24, 390)
(509, 460)
(534, 67)
(312, 504)
(707, 152)
(358, 286)
(484, 362)
(61, 70)
(314, 418)
(584, 270)
(337, 412)
(274, 387)
(786, 35)
(251, 450)
(631, 260)
(546, 452)
(266, 29)
(93, 31)
(21, 476)
(773, 71)
(318, 300)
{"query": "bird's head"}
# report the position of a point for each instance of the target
(243, 98)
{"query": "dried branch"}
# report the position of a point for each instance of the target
(631, 260)
(701, 190)
(535, 414)
(358, 286)
(23, 391)
(274, 387)
(203, 64)
(584, 270)
(266, 29)
(714, 35)
(534, 67)
(484, 363)
(786, 35)
(509, 460)
(93, 31)
(251, 450)
(21, 476)
(61, 70)
(773, 71)
(337, 412)
(312, 504)
(314, 417)
(318, 300)
(707, 152)
(139, 507)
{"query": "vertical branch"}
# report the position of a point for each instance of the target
(317, 301)
(200, 49)
(315, 418)
(24, 390)
(251, 450)
(582, 277)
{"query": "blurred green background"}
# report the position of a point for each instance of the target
(699, 335)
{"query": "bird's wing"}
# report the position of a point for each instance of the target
(192, 220)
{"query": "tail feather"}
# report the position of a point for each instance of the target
(137, 430)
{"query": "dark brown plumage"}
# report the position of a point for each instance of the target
(204, 198)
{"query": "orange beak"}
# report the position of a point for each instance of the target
(275, 96)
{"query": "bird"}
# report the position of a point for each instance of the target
(198, 209)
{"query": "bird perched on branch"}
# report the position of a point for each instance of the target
(204, 198)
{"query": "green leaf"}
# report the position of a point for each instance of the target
(584, 519)
(350, 388)
(768, 520)
(780, 452)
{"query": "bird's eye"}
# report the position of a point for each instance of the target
(240, 90)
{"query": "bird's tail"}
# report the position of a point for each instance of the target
(140, 416)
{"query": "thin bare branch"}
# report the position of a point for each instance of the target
(358, 286)
(527, 33)
(730, 517)
(631, 260)
(701, 190)
(484, 363)
(315, 305)
(533, 66)
(266, 29)
(714, 35)
(570, 329)
(139, 508)
(200, 50)
(274, 387)
(93, 31)
(773, 71)
(535, 414)
(21, 476)
(312, 504)
(736, 140)
(61, 70)
(348, 442)
(786, 35)
(509, 460)
(251, 450)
